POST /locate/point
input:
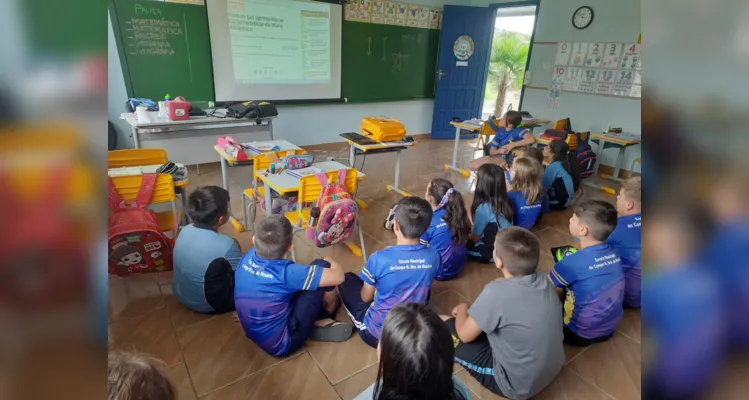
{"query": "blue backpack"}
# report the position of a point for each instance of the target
(585, 155)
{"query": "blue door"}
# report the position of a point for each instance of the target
(461, 83)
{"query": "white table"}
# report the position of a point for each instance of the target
(284, 183)
(227, 159)
(380, 147)
(191, 139)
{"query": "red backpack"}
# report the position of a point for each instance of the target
(136, 242)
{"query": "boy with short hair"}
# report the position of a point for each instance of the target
(591, 278)
(627, 238)
(509, 137)
(510, 339)
(281, 304)
(204, 259)
(397, 274)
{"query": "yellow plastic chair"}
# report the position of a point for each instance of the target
(486, 133)
(136, 157)
(260, 163)
(163, 192)
(309, 191)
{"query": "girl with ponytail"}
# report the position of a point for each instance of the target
(562, 177)
(449, 228)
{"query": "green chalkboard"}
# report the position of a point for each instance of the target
(388, 62)
(164, 48)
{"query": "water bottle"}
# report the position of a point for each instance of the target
(314, 216)
(167, 99)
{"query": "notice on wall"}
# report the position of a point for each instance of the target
(605, 81)
(595, 55)
(572, 79)
(611, 55)
(579, 52)
(589, 80)
(378, 11)
(623, 83)
(631, 57)
(352, 11)
(563, 53)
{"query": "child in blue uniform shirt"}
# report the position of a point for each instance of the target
(395, 275)
(281, 304)
(561, 178)
(526, 192)
(627, 238)
(592, 277)
(449, 228)
(510, 135)
(491, 210)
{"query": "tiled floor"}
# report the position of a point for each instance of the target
(208, 357)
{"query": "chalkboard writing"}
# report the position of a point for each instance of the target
(163, 48)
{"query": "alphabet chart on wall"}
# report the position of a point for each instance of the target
(611, 69)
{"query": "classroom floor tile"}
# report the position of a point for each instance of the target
(209, 357)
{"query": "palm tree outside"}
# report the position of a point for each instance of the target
(509, 55)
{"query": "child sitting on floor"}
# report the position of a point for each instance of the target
(510, 135)
(416, 358)
(204, 259)
(591, 278)
(449, 228)
(491, 210)
(561, 178)
(281, 304)
(397, 274)
(627, 238)
(510, 339)
(526, 192)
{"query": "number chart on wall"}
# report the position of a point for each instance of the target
(611, 69)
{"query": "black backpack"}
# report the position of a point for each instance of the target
(252, 110)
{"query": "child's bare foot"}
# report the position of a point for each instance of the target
(235, 316)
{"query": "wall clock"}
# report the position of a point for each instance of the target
(582, 17)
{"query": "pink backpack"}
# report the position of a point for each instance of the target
(338, 212)
(136, 242)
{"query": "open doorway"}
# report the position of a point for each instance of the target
(513, 32)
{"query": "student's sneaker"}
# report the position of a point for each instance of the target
(390, 220)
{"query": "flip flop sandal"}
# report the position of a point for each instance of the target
(332, 332)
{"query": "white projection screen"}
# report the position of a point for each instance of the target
(275, 49)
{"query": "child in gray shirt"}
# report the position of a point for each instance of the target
(510, 339)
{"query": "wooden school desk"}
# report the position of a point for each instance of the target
(476, 128)
(382, 147)
(227, 160)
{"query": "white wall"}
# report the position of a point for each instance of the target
(302, 125)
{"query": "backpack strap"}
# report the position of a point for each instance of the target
(342, 176)
(323, 178)
(146, 190)
(113, 198)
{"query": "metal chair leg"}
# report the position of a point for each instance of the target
(361, 239)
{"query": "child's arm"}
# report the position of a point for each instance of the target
(465, 326)
(526, 140)
(332, 276)
(367, 292)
